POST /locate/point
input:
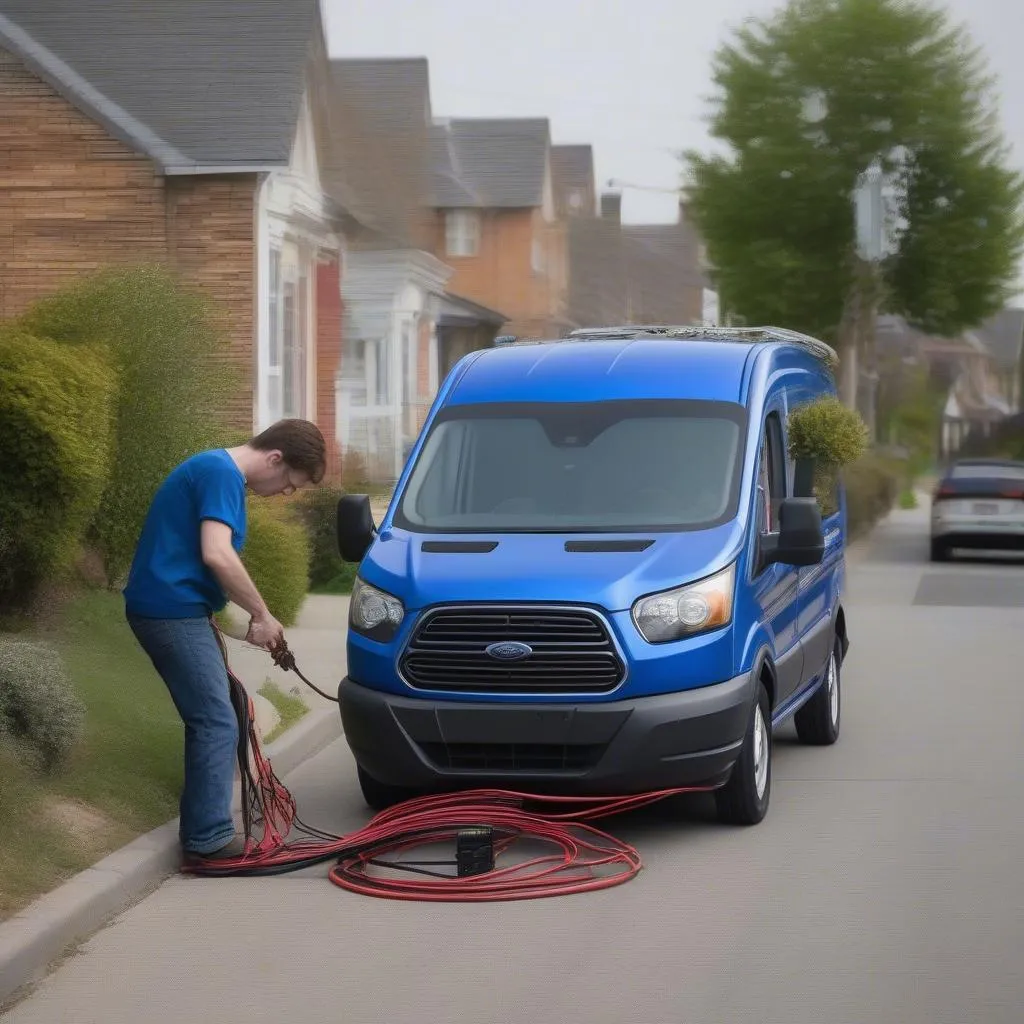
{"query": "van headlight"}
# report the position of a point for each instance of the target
(374, 613)
(686, 611)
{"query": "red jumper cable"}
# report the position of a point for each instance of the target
(485, 824)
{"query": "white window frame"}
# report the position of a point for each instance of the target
(462, 232)
(291, 341)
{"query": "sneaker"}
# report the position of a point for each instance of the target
(230, 850)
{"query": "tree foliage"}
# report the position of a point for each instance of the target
(174, 377)
(805, 101)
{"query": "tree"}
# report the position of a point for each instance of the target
(806, 101)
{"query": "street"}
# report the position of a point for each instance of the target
(884, 885)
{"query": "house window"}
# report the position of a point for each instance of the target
(462, 232)
(576, 200)
(290, 336)
(537, 260)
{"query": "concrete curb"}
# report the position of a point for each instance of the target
(33, 939)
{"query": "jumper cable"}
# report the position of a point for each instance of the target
(485, 824)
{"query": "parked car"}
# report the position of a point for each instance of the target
(594, 577)
(978, 504)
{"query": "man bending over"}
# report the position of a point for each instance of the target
(186, 567)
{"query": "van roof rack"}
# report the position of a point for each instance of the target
(751, 334)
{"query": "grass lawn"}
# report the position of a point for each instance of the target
(125, 776)
(290, 708)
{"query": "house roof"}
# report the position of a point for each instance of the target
(382, 128)
(1003, 336)
(490, 162)
(572, 167)
(457, 312)
(673, 248)
(397, 90)
(198, 86)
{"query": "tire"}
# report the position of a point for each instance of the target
(380, 795)
(818, 721)
(744, 799)
(939, 551)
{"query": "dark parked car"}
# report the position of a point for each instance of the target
(978, 504)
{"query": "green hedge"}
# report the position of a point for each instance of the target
(173, 376)
(55, 448)
(277, 557)
(872, 487)
(317, 510)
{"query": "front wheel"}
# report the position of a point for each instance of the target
(817, 722)
(743, 800)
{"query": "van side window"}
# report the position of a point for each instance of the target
(772, 475)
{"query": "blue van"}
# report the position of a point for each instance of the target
(596, 576)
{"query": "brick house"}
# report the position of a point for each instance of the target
(403, 327)
(497, 224)
(166, 147)
(572, 169)
(963, 369)
(637, 273)
(1003, 336)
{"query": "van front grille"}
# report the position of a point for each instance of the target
(569, 651)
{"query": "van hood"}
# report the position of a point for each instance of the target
(608, 570)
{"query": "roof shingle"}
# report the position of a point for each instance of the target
(196, 84)
(490, 162)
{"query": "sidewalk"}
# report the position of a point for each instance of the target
(318, 642)
(42, 932)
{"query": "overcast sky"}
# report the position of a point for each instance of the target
(629, 77)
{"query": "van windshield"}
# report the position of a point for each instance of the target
(577, 466)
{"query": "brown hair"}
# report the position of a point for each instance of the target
(300, 443)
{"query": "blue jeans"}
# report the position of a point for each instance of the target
(188, 658)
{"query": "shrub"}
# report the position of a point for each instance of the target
(277, 557)
(38, 705)
(173, 383)
(872, 486)
(824, 435)
(828, 432)
(317, 511)
(55, 446)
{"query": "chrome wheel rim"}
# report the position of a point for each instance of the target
(833, 690)
(760, 753)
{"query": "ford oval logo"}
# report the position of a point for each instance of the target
(509, 650)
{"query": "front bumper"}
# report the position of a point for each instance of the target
(959, 525)
(691, 737)
(968, 533)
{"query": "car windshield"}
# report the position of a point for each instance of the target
(987, 471)
(575, 467)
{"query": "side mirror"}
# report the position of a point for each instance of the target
(356, 529)
(801, 538)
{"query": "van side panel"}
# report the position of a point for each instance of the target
(819, 584)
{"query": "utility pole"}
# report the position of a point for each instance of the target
(857, 332)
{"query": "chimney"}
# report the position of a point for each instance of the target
(611, 206)
(684, 210)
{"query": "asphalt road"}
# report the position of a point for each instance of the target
(886, 884)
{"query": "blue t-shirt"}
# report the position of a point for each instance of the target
(168, 579)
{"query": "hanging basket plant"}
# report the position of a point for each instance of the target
(824, 436)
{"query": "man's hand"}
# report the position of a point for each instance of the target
(265, 631)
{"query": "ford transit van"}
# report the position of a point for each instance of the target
(597, 576)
